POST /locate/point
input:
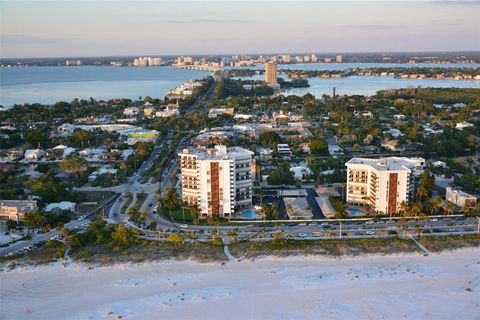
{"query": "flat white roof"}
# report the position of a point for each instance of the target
(220, 152)
(386, 164)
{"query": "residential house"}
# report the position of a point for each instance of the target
(16, 209)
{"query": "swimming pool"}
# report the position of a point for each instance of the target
(249, 214)
(355, 212)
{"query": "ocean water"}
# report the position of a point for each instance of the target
(52, 84)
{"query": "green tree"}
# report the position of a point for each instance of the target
(73, 164)
(176, 237)
(269, 139)
(33, 220)
(123, 236)
(449, 208)
(435, 204)
(217, 241)
(319, 146)
(11, 225)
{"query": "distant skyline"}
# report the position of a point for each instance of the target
(123, 28)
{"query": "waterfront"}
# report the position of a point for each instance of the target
(52, 84)
(367, 85)
(344, 66)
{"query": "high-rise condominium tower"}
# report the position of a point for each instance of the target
(271, 73)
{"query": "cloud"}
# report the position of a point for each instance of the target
(456, 2)
(375, 26)
(217, 20)
(17, 39)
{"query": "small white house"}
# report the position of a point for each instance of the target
(131, 111)
(334, 149)
(392, 145)
(64, 149)
(300, 171)
(462, 125)
(393, 132)
(439, 164)
(102, 171)
(34, 154)
(63, 205)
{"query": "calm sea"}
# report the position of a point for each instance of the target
(52, 84)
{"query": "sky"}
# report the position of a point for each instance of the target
(108, 28)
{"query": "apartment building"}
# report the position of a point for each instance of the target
(16, 209)
(271, 73)
(460, 198)
(284, 150)
(383, 184)
(218, 180)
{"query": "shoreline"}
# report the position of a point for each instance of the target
(329, 249)
(409, 286)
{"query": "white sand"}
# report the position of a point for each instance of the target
(375, 287)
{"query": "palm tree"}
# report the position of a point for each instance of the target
(449, 208)
(195, 211)
(465, 210)
(261, 195)
(435, 205)
(416, 208)
(422, 192)
(289, 209)
(405, 208)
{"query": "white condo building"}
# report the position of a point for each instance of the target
(383, 184)
(218, 180)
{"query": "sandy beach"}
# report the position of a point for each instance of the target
(408, 286)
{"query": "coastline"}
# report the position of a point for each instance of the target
(409, 285)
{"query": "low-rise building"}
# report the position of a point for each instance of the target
(334, 149)
(460, 198)
(59, 152)
(462, 125)
(131, 111)
(283, 149)
(34, 154)
(63, 206)
(16, 209)
(215, 112)
(392, 145)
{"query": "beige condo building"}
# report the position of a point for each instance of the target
(383, 184)
(217, 180)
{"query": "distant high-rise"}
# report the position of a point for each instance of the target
(271, 73)
(339, 59)
(286, 58)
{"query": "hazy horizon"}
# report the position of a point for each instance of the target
(118, 28)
